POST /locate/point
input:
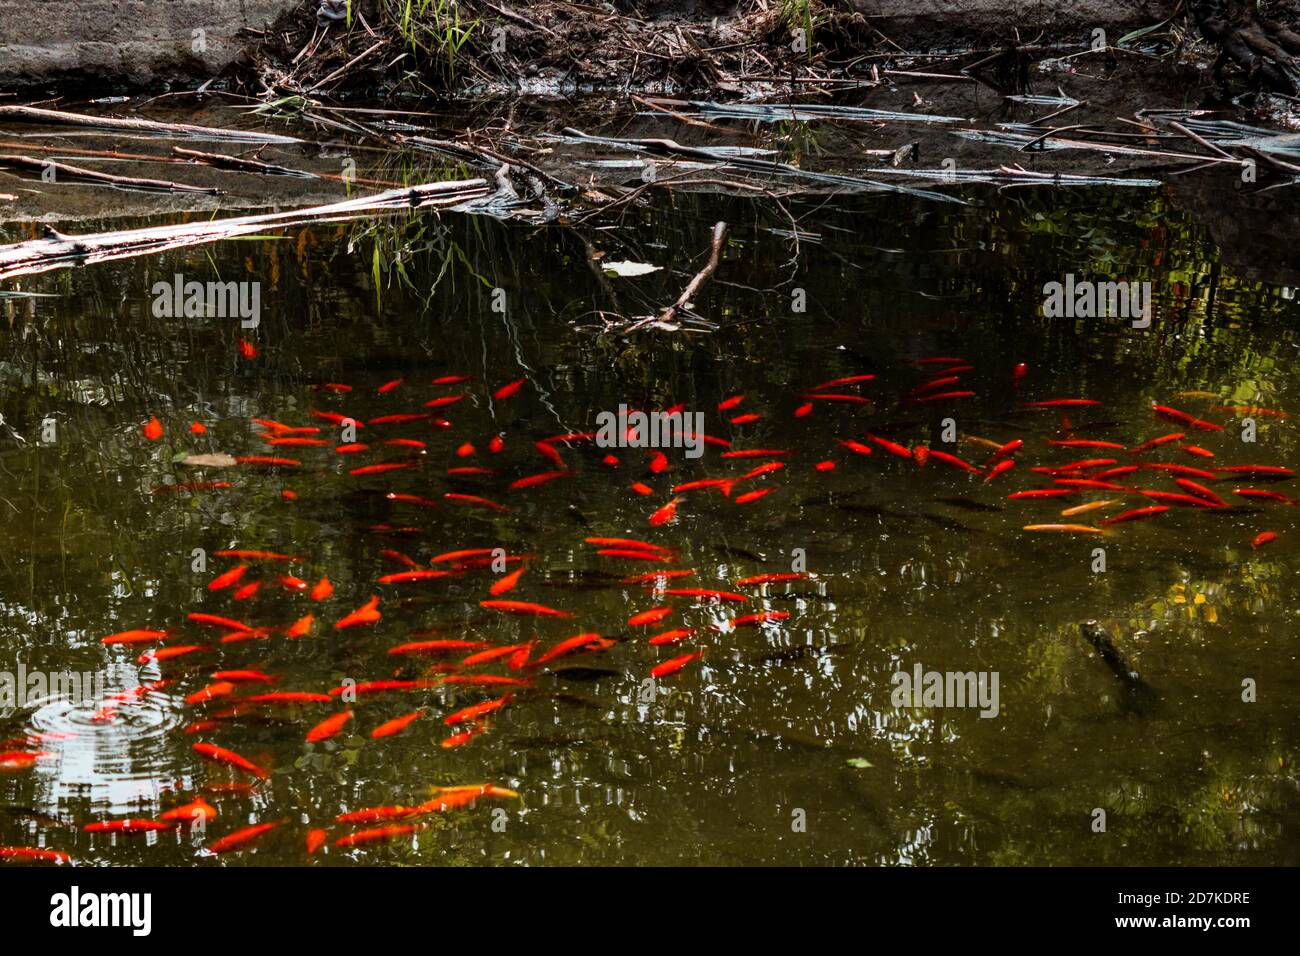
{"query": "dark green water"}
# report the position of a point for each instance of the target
(782, 745)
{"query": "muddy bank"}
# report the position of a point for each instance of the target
(137, 43)
(127, 42)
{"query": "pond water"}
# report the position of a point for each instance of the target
(784, 742)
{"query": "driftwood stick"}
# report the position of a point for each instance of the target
(345, 67)
(701, 277)
(64, 252)
(91, 175)
(31, 114)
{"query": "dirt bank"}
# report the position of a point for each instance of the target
(145, 43)
(127, 42)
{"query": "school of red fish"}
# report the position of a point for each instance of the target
(205, 652)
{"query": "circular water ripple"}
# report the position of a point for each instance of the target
(110, 750)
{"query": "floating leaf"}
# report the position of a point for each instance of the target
(625, 269)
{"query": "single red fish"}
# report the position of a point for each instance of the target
(1115, 472)
(523, 607)
(572, 645)
(400, 419)
(641, 488)
(1174, 498)
(403, 577)
(377, 814)
(246, 554)
(475, 711)
(755, 453)
(507, 583)
(841, 397)
(1063, 403)
(289, 698)
(153, 429)
(436, 647)
(322, 589)
(378, 835)
(846, 380)
(675, 664)
(20, 759)
(269, 461)
(1198, 451)
(198, 809)
(135, 636)
(382, 468)
(167, 653)
(213, 691)
(496, 653)
(353, 449)
(856, 447)
(1181, 470)
(247, 591)
(1257, 471)
(335, 417)
(486, 680)
(1137, 514)
(1010, 448)
(1042, 493)
(628, 543)
(33, 853)
(512, 388)
(663, 514)
(1004, 465)
(1157, 442)
(1182, 418)
(773, 578)
(382, 687)
(462, 738)
(444, 401)
(222, 755)
(944, 396)
(652, 616)
(1263, 495)
(1198, 489)
(368, 613)
(395, 726)
(671, 637)
(632, 554)
(475, 501)
(315, 840)
(329, 727)
(1263, 538)
(749, 496)
(241, 838)
(301, 627)
(954, 461)
(900, 451)
(531, 481)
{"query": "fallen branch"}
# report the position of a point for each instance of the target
(684, 301)
(64, 252)
(30, 114)
(89, 175)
